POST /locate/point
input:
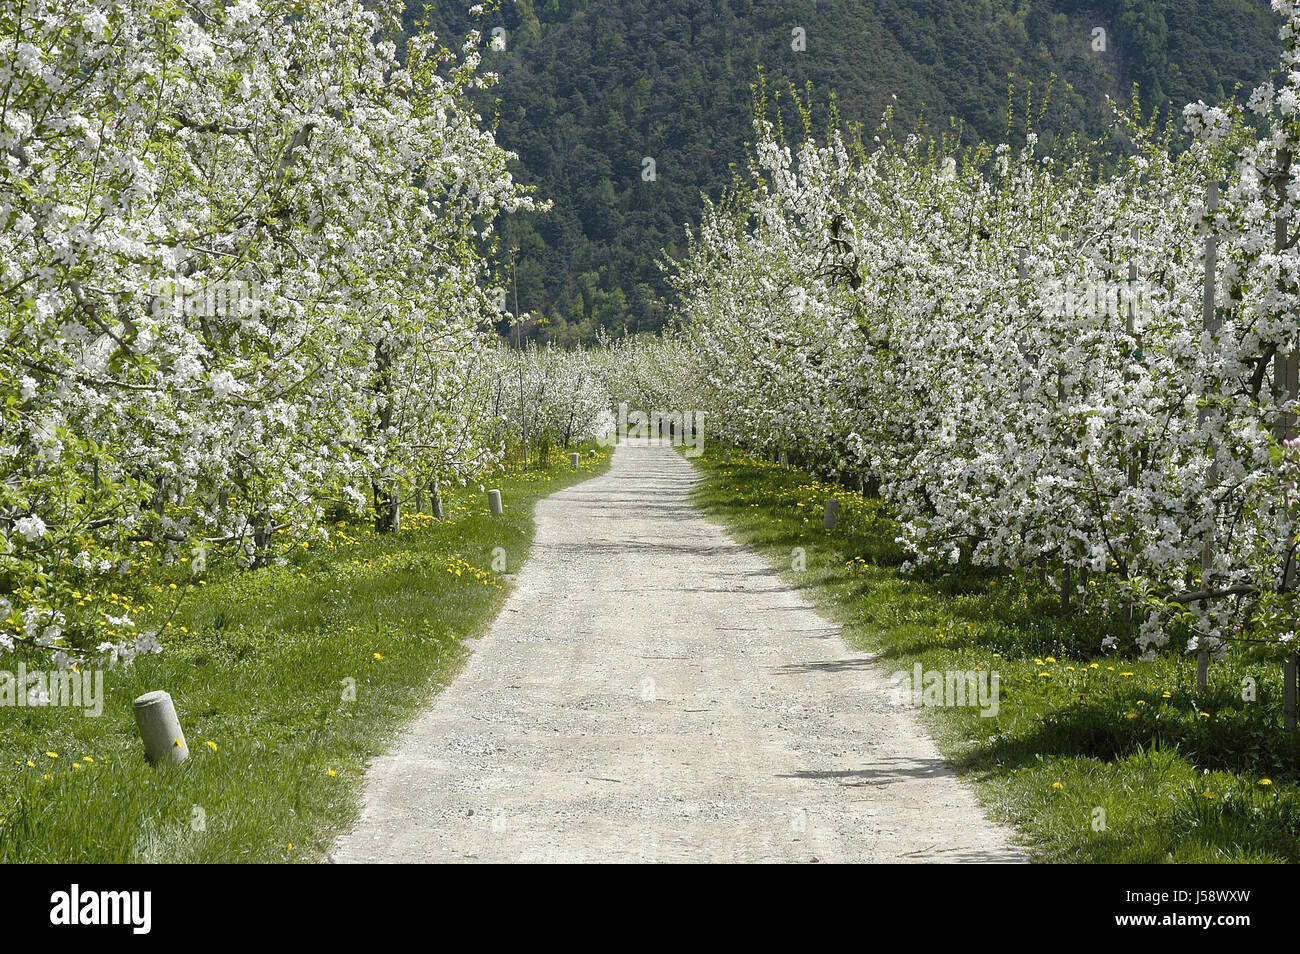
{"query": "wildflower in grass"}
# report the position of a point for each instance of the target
(210, 744)
(1211, 795)
(379, 655)
(31, 764)
(47, 777)
(331, 772)
(53, 755)
(1265, 781)
(87, 758)
(1057, 785)
(1131, 715)
(1167, 695)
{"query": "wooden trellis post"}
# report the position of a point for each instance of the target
(1286, 384)
(1022, 275)
(1289, 693)
(1210, 322)
(1130, 330)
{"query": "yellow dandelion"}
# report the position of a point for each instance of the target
(1057, 785)
(379, 655)
(331, 772)
(1265, 781)
(53, 755)
(210, 744)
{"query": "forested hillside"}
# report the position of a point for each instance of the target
(591, 89)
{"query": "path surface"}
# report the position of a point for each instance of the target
(653, 691)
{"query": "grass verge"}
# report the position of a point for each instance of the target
(287, 679)
(1094, 756)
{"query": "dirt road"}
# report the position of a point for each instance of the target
(653, 691)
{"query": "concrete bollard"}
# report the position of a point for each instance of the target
(832, 513)
(573, 459)
(494, 501)
(155, 715)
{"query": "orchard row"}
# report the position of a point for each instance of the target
(1036, 363)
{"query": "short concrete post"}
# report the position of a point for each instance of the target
(573, 459)
(494, 501)
(155, 715)
(832, 513)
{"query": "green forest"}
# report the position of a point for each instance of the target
(591, 89)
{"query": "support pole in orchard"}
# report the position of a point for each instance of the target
(1062, 396)
(494, 502)
(832, 516)
(573, 460)
(1210, 322)
(1289, 693)
(1022, 273)
(1130, 329)
(1286, 385)
(1067, 575)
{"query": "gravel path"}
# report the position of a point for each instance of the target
(653, 691)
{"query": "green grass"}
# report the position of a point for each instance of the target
(1180, 775)
(258, 663)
